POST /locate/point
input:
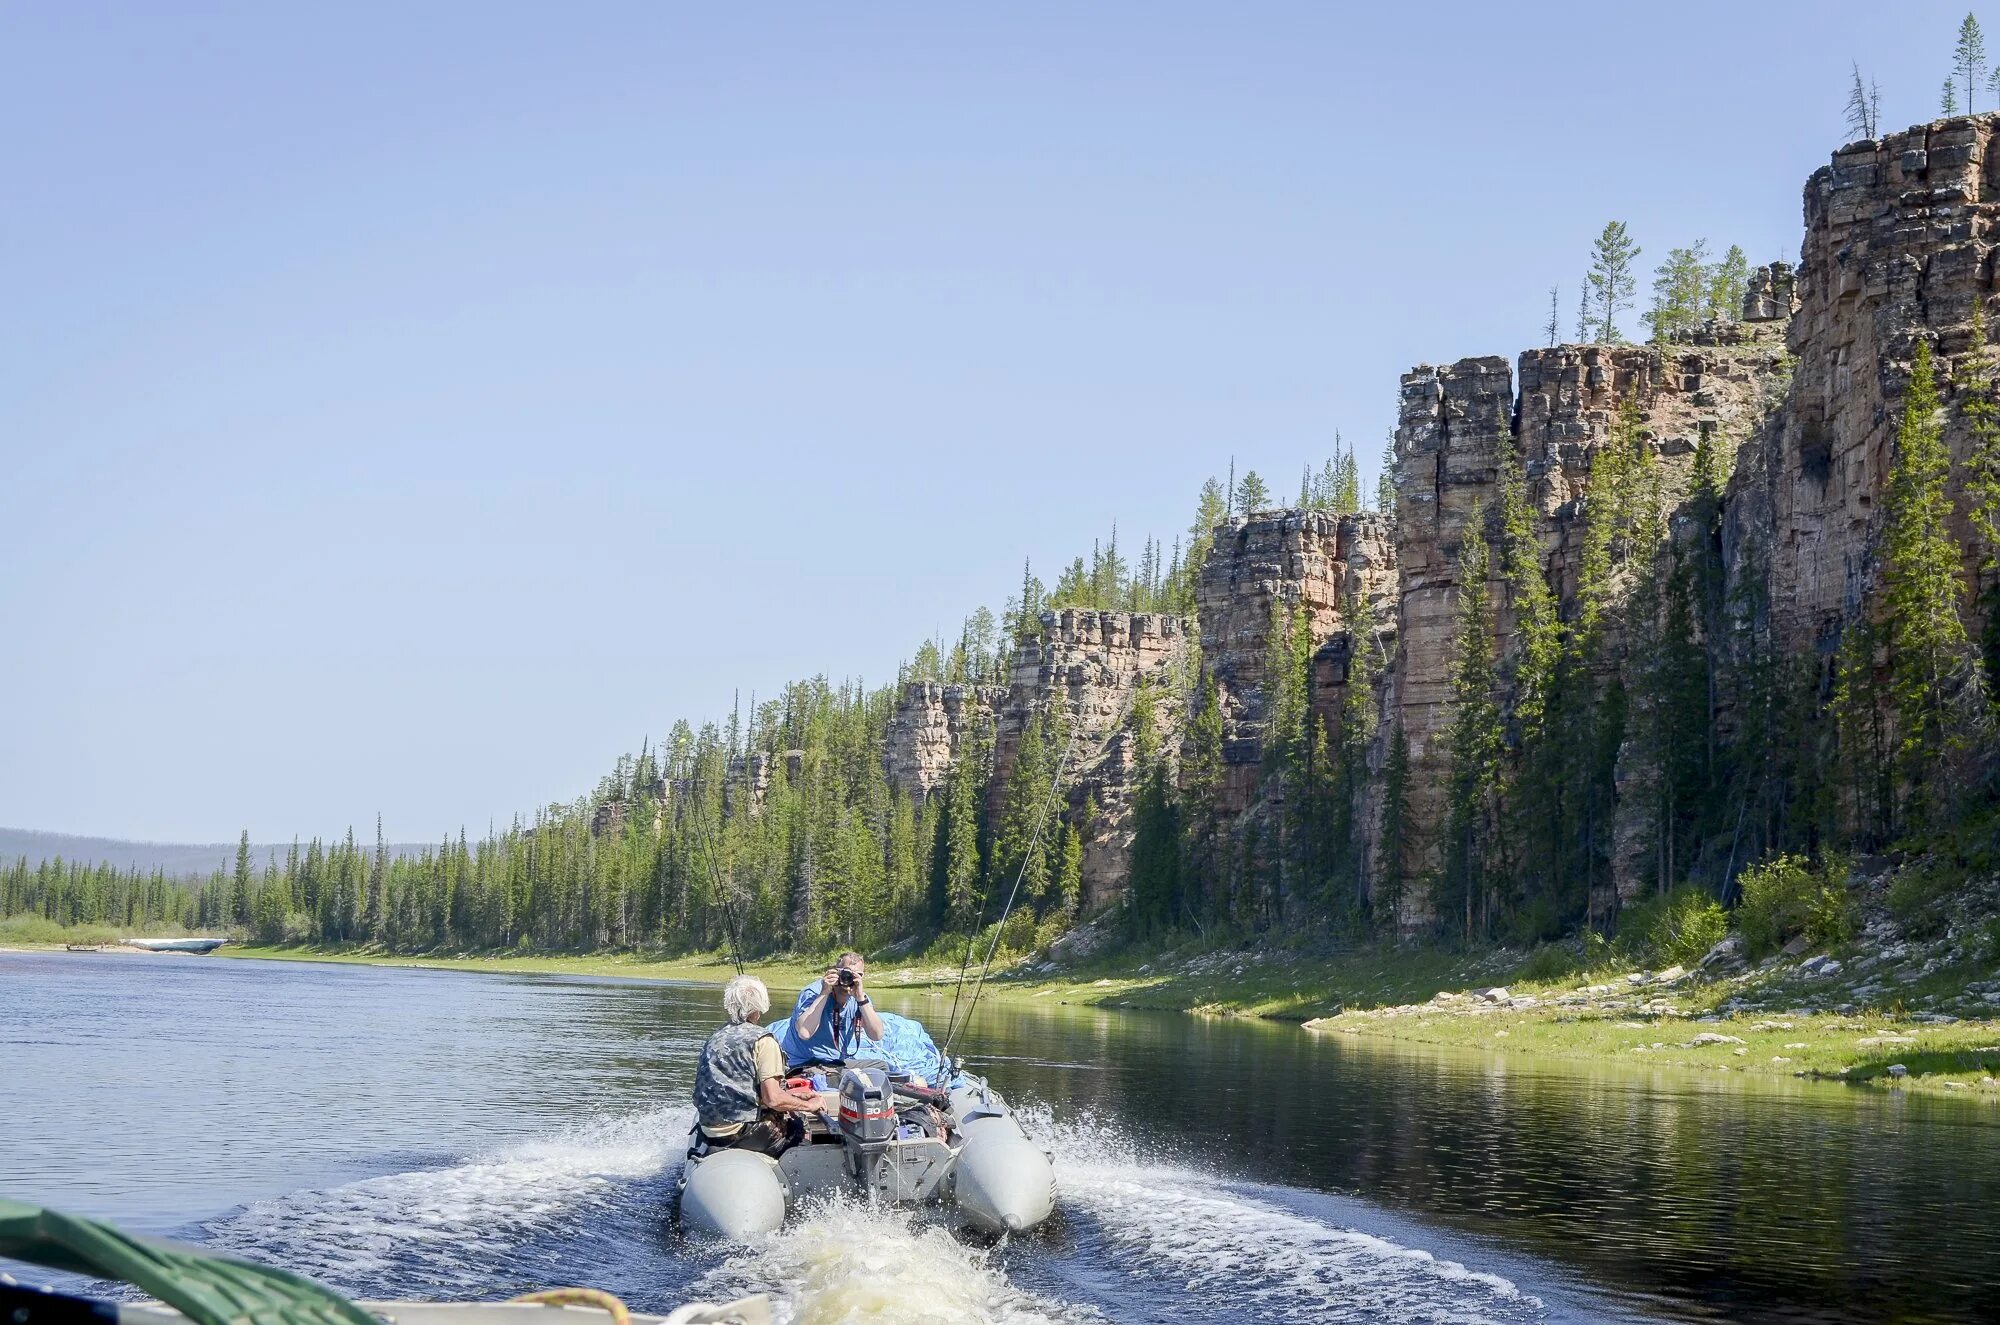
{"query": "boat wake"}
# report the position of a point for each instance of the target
(453, 1231)
(1228, 1252)
(587, 1204)
(843, 1260)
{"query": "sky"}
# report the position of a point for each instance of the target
(410, 408)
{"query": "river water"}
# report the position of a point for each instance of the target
(439, 1134)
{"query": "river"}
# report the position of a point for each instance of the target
(403, 1132)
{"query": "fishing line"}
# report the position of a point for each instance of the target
(722, 894)
(953, 1026)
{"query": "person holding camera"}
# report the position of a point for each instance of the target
(830, 1015)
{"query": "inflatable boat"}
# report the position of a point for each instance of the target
(190, 1286)
(891, 1141)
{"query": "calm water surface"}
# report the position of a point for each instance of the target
(437, 1134)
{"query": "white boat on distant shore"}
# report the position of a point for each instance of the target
(175, 945)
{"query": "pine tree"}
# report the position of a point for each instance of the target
(1154, 902)
(1345, 497)
(1583, 311)
(1023, 800)
(1069, 876)
(1932, 680)
(1612, 284)
(1252, 495)
(1969, 59)
(1553, 330)
(1392, 840)
(1974, 387)
(1680, 291)
(1537, 633)
(1862, 764)
(1728, 280)
(239, 897)
(1863, 106)
(1385, 482)
(1201, 797)
(1211, 509)
(1473, 737)
(1948, 102)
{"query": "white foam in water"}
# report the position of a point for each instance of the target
(846, 1262)
(1227, 1250)
(453, 1221)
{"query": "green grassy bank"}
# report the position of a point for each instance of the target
(1383, 994)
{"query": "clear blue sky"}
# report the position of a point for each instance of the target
(410, 407)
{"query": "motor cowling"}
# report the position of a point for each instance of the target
(867, 1107)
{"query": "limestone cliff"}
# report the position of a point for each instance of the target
(1801, 394)
(1085, 665)
(1090, 664)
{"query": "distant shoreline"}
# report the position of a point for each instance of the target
(1543, 1021)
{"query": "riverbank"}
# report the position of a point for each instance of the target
(1799, 1015)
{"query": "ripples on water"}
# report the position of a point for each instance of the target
(431, 1134)
(587, 1203)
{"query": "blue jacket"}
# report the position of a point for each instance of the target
(837, 1039)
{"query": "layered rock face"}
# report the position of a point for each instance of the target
(1803, 394)
(1899, 244)
(1089, 665)
(1085, 665)
(929, 729)
(1312, 560)
(1455, 427)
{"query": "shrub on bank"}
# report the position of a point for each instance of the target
(1787, 896)
(1677, 928)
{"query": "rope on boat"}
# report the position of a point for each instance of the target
(577, 1297)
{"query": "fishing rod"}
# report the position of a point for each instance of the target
(954, 1025)
(722, 894)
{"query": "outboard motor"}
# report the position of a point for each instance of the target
(867, 1109)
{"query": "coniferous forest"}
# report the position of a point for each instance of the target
(1649, 683)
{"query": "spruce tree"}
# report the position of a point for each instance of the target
(1728, 280)
(1385, 482)
(1681, 293)
(1392, 840)
(1932, 680)
(1153, 899)
(1252, 495)
(1612, 283)
(1473, 738)
(1201, 796)
(1968, 57)
(1553, 332)
(1015, 853)
(1974, 387)
(1537, 633)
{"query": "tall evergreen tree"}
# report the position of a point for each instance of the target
(1473, 739)
(1968, 58)
(1681, 294)
(1612, 283)
(1935, 687)
(1974, 389)
(1728, 281)
(1252, 495)
(1393, 837)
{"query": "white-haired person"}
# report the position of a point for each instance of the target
(740, 1100)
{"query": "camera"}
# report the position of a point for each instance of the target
(846, 978)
